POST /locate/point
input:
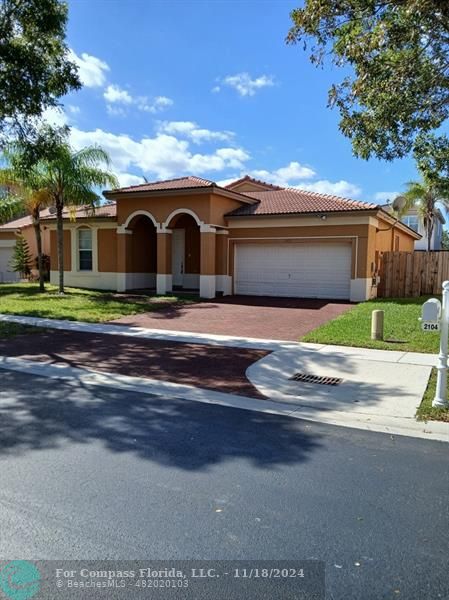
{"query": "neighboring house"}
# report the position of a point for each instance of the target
(412, 219)
(248, 237)
(8, 236)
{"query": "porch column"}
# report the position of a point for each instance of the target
(123, 256)
(207, 261)
(164, 269)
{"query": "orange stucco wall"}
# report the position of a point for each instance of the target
(207, 266)
(221, 254)
(393, 239)
(210, 208)
(107, 250)
(54, 252)
(164, 243)
(7, 235)
(30, 236)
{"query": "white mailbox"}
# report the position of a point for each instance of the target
(431, 315)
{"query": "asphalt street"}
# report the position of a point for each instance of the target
(92, 473)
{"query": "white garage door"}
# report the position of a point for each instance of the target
(293, 270)
(5, 269)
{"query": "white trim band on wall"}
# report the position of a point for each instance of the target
(163, 283)
(207, 286)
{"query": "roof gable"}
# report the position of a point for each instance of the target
(178, 183)
(249, 184)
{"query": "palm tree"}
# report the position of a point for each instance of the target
(24, 193)
(71, 178)
(11, 205)
(425, 197)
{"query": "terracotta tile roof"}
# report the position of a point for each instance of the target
(292, 200)
(83, 212)
(168, 184)
(248, 179)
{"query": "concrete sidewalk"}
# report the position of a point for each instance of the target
(380, 389)
(395, 356)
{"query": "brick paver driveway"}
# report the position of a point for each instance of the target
(258, 317)
(211, 367)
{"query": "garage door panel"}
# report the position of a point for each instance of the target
(6, 275)
(295, 270)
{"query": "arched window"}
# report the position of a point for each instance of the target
(85, 249)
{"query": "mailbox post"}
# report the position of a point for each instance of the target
(435, 317)
(440, 399)
(431, 315)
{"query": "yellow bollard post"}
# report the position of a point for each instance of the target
(377, 325)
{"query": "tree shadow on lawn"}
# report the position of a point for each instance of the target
(40, 414)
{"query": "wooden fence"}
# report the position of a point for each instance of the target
(406, 274)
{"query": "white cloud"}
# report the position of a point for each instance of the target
(192, 131)
(336, 188)
(298, 176)
(384, 197)
(215, 89)
(74, 110)
(162, 156)
(160, 103)
(246, 85)
(227, 181)
(153, 105)
(115, 111)
(127, 179)
(115, 94)
(91, 70)
(284, 176)
(55, 115)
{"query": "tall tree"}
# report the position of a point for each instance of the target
(35, 66)
(20, 261)
(425, 197)
(396, 95)
(11, 205)
(72, 179)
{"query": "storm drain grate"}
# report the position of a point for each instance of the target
(307, 378)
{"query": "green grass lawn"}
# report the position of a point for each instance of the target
(79, 304)
(402, 330)
(425, 412)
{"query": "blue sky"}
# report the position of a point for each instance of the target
(211, 89)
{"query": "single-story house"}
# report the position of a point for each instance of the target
(248, 237)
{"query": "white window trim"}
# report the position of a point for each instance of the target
(75, 251)
(406, 218)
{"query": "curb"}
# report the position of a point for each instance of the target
(404, 427)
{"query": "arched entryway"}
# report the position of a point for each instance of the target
(142, 253)
(185, 252)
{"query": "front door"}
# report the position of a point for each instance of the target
(178, 252)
